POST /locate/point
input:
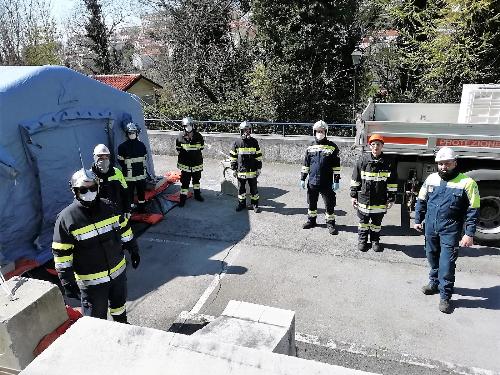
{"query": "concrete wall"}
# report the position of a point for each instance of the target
(290, 149)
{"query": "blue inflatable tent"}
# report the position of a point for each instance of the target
(48, 116)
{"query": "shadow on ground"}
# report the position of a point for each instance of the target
(484, 298)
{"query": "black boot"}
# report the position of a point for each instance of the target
(197, 196)
(182, 200)
(310, 223)
(445, 306)
(362, 245)
(377, 246)
(122, 318)
(241, 206)
(331, 227)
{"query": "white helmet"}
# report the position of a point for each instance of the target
(320, 125)
(131, 127)
(82, 177)
(445, 153)
(101, 149)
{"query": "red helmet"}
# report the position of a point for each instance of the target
(376, 137)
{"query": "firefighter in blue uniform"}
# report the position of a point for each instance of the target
(88, 242)
(112, 184)
(189, 145)
(447, 200)
(322, 165)
(246, 162)
(373, 191)
(132, 155)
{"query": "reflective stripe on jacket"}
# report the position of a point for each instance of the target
(113, 187)
(190, 156)
(374, 182)
(132, 155)
(87, 243)
(447, 205)
(246, 157)
(321, 163)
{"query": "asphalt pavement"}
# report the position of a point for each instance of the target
(360, 310)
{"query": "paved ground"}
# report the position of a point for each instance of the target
(362, 310)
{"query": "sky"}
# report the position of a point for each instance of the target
(62, 8)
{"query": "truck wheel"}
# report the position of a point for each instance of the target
(488, 224)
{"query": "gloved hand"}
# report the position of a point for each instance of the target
(389, 205)
(71, 290)
(136, 259)
(335, 186)
(257, 172)
(302, 184)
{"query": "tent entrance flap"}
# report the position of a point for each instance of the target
(57, 156)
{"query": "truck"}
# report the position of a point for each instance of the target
(413, 132)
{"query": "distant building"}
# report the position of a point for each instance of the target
(136, 84)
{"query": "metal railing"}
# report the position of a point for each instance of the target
(258, 127)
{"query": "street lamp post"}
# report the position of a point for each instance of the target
(356, 56)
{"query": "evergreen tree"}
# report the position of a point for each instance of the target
(98, 38)
(306, 50)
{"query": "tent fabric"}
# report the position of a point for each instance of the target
(51, 117)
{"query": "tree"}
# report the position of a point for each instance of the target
(305, 47)
(206, 57)
(28, 34)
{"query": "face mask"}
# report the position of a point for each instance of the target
(320, 136)
(132, 136)
(188, 129)
(89, 196)
(103, 165)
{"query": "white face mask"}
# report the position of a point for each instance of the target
(103, 165)
(89, 196)
(189, 129)
(132, 136)
(320, 136)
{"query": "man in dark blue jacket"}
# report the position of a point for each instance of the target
(322, 165)
(447, 200)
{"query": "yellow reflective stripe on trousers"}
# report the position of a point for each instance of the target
(247, 174)
(196, 186)
(355, 183)
(372, 209)
(102, 277)
(254, 197)
(62, 246)
(242, 196)
(305, 169)
(185, 168)
(130, 161)
(135, 178)
(312, 213)
(329, 217)
(375, 228)
(363, 227)
(117, 311)
(392, 187)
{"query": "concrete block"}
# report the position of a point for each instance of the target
(129, 350)
(37, 309)
(254, 326)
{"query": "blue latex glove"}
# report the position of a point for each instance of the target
(302, 184)
(335, 186)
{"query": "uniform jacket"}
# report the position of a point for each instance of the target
(246, 157)
(87, 243)
(132, 156)
(374, 182)
(321, 163)
(113, 187)
(447, 205)
(190, 157)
